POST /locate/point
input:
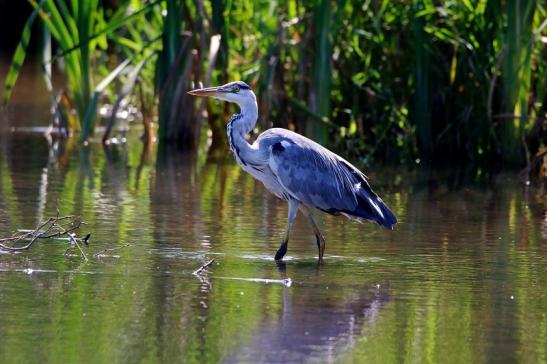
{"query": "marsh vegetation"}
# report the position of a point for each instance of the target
(385, 81)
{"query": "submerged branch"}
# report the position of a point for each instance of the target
(100, 254)
(53, 227)
(203, 267)
(287, 282)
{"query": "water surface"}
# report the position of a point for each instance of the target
(461, 279)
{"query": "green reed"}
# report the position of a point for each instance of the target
(392, 81)
(80, 31)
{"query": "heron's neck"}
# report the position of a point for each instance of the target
(238, 127)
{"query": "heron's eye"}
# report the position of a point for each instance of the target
(235, 89)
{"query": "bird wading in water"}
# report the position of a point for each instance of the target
(297, 169)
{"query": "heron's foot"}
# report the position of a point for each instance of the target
(281, 251)
(320, 246)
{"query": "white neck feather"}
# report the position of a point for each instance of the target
(238, 127)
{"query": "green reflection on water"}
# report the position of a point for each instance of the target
(461, 279)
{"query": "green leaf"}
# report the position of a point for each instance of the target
(19, 56)
(359, 78)
(91, 110)
(115, 22)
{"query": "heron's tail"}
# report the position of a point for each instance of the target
(372, 208)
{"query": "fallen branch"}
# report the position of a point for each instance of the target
(203, 267)
(51, 228)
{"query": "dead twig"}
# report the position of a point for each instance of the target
(99, 253)
(203, 267)
(75, 242)
(53, 227)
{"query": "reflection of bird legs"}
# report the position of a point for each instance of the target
(318, 236)
(293, 209)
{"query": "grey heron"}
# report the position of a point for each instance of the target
(297, 169)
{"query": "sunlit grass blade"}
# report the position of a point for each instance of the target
(118, 20)
(19, 55)
(89, 118)
(516, 75)
(124, 91)
(214, 47)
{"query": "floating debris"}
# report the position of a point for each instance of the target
(51, 228)
(203, 267)
(287, 282)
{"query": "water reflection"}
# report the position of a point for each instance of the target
(462, 276)
(312, 326)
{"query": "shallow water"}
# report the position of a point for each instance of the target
(461, 279)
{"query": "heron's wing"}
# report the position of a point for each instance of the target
(321, 179)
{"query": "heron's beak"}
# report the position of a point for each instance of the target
(209, 91)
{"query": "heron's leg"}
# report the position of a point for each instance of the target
(318, 236)
(293, 209)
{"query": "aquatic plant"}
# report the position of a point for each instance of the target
(393, 81)
(80, 31)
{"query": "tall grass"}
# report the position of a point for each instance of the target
(79, 30)
(516, 76)
(219, 26)
(19, 54)
(422, 99)
(321, 80)
(172, 70)
(395, 81)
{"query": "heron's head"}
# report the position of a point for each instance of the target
(237, 92)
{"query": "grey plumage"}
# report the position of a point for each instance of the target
(297, 169)
(321, 179)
